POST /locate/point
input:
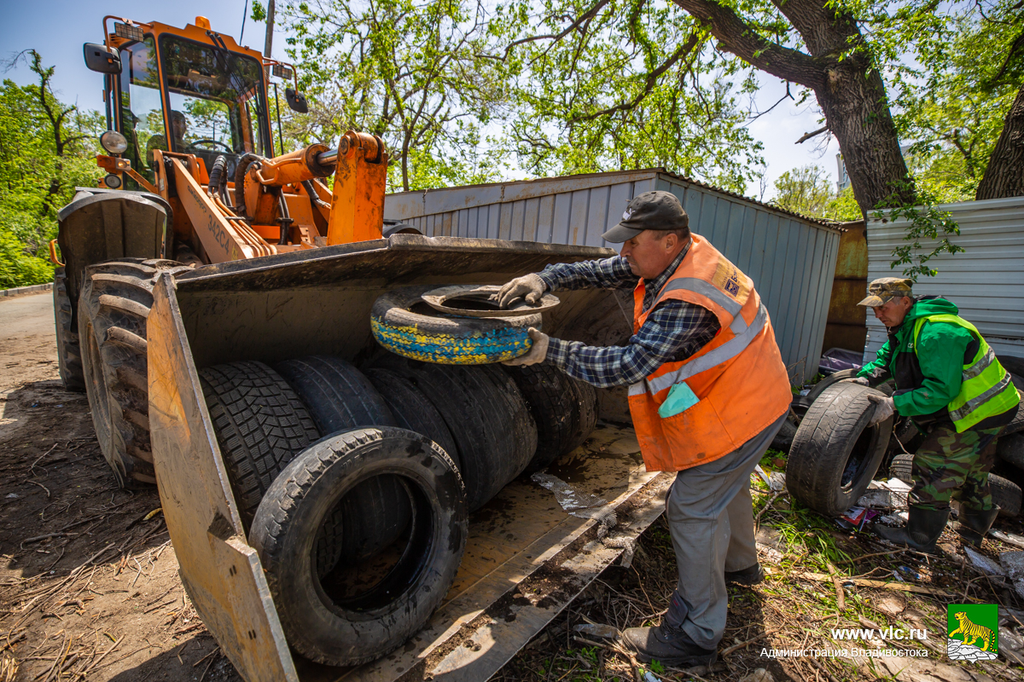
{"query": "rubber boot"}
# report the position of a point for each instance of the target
(921, 532)
(974, 524)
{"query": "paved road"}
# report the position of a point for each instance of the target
(23, 316)
(27, 339)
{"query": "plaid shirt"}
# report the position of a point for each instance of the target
(674, 331)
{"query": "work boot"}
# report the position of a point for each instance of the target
(748, 576)
(667, 645)
(921, 532)
(974, 524)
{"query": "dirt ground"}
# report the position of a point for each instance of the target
(89, 587)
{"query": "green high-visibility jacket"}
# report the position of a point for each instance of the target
(943, 366)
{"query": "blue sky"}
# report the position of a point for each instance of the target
(58, 28)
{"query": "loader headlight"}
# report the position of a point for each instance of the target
(113, 142)
(112, 181)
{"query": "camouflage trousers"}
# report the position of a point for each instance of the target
(950, 464)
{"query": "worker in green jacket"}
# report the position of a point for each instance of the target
(949, 382)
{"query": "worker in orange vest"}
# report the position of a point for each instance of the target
(708, 391)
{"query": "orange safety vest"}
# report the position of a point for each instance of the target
(738, 377)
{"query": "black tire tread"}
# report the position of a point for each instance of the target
(492, 426)
(269, 538)
(69, 352)
(260, 424)
(556, 402)
(114, 304)
(822, 445)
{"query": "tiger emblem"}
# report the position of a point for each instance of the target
(971, 631)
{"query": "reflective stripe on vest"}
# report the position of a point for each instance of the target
(726, 351)
(986, 389)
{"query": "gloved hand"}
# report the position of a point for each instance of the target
(528, 287)
(860, 380)
(536, 354)
(884, 408)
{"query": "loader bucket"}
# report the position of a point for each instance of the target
(529, 552)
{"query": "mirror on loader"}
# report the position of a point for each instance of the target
(296, 100)
(102, 60)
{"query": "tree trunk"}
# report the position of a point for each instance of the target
(857, 112)
(1004, 176)
(847, 85)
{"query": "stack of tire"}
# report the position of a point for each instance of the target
(833, 454)
(355, 486)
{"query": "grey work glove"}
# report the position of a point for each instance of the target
(860, 380)
(536, 354)
(528, 287)
(885, 407)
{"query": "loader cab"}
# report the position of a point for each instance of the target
(188, 91)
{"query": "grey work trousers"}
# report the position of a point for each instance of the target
(711, 521)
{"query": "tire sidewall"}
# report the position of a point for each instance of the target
(316, 625)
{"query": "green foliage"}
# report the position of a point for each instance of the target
(259, 12)
(413, 72)
(952, 97)
(632, 85)
(843, 207)
(925, 222)
(46, 150)
(806, 190)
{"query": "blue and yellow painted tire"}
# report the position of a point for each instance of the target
(406, 326)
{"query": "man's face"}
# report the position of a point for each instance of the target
(891, 313)
(650, 252)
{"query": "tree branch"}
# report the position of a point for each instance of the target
(650, 81)
(742, 39)
(807, 136)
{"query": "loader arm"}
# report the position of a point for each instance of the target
(223, 237)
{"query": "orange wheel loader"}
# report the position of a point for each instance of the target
(206, 253)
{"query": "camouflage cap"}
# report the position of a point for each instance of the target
(885, 289)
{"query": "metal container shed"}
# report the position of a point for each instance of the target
(791, 258)
(986, 281)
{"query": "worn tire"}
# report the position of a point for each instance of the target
(1013, 365)
(319, 621)
(260, 425)
(835, 453)
(557, 405)
(493, 430)
(413, 411)
(69, 353)
(784, 438)
(1010, 449)
(339, 397)
(112, 312)
(830, 380)
(405, 325)
(1017, 424)
(1005, 493)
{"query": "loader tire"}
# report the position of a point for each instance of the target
(1005, 493)
(112, 312)
(405, 325)
(358, 614)
(556, 402)
(260, 424)
(835, 453)
(69, 352)
(339, 397)
(492, 427)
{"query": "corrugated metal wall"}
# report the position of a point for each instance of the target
(791, 259)
(986, 282)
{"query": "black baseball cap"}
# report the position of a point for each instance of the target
(649, 211)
